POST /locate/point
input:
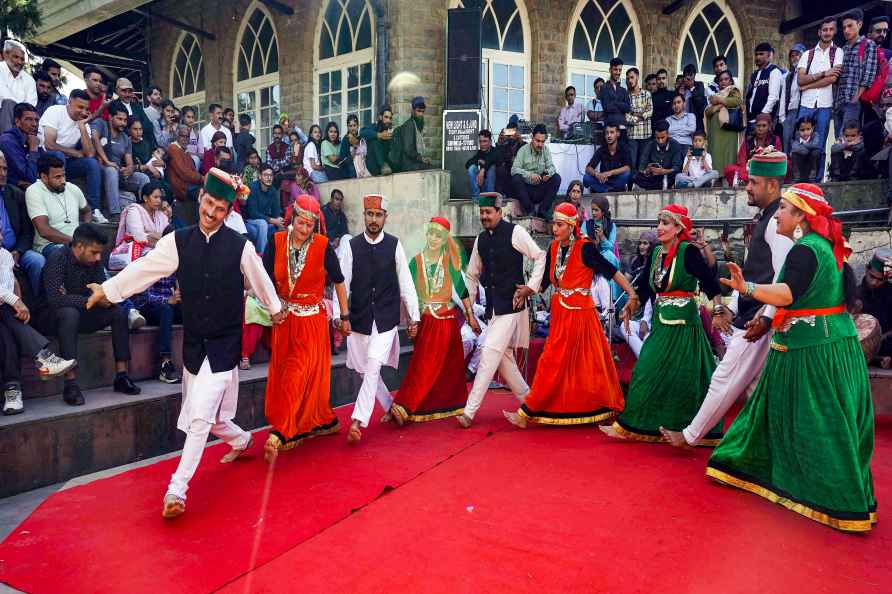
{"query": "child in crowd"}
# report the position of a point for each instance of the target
(697, 170)
(252, 167)
(159, 156)
(806, 151)
(847, 157)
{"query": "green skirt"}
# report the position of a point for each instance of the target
(669, 382)
(805, 438)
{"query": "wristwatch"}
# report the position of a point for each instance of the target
(345, 317)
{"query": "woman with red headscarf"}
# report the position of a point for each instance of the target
(435, 386)
(297, 388)
(576, 381)
(673, 372)
(804, 439)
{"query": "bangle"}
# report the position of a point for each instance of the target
(750, 289)
(718, 309)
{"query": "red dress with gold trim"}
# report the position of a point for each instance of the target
(576, 380)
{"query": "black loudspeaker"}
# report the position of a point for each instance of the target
(463, 51)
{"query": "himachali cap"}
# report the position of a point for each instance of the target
(493, 199)
(882, 261)
(768, 162)
(374, 201)
(224, 186)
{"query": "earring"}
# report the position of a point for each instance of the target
(797, 233)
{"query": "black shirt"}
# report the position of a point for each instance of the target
(491, 157)
(662, 101)
(335, 222)
(608, 162)
(878, 303)
(591, 257)
(65, 280)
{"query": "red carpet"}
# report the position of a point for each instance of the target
(544, 510)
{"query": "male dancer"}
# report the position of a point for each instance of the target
(742, 364)
(497, 263)
(211, 262)
(376, 275)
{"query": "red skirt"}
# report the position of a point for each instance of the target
(576, 380)
(435, 385)
(299, 376)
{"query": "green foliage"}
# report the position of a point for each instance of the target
(19, 19)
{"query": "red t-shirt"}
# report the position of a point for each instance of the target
(94, 105)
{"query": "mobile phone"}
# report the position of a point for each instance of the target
(697, 152)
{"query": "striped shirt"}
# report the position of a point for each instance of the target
(857, 70)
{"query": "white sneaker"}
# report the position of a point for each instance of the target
(98, 217)
(13, 404)
(49, 364)
(135, 319)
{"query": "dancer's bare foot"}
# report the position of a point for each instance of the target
(675, 438)
(354, 434)
(515, 419)
(610, 431)
(271, 449)
(465, 421)
(397, 417)
(174, 506)
(387, 417)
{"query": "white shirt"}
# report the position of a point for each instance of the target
(520, 241)
(775, 84)
(310, 152)
(823, 97)
(20, 89)
(7, 278)
(697, 170)
(67, 132)
(404, 275)
(235, 222)
(794, 98)
(204, 138)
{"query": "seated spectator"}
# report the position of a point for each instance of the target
(291, 130)
(660, 162)
(184, 179)
(875, 299)
(682, 124)
(336, 167)
(16, 85)
(206, 136)
(601, 229)
(55, 208)
(17, 230)
(848, 159)
(574, 196)
(263, 210)
(64, 132)
(46, 94)
(302, 184)
(407, 149)
(335, 219)
(21, 147)
(278, 153)
(229, 120)
(596, 113)
(378, 138)
(243, 141)
(66, 278)
(169, 123)
(250, 171)
(115, 153)
(54, 70)
(355, 148)
(509, 143)
(141, 149)
(610, 168)
(313, 156)
(571, 113)
(187, 118)
(94, 81)
(482, 166)
(697, 169)
(210, 156)
(124, 89)
(639, 263)
(806, 151)
(761, 137)
(144, 222)
(534, 180)
(18, 338)
(639, 329)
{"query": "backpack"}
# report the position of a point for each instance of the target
(811, 56)
(873, 92)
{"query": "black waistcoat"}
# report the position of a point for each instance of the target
(212, 287)
(758, 92)
(758, 267)
(375, 286)
(502, 268)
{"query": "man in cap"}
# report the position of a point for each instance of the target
(407, 149)
(764, 90)
(124, 89)
(788, 112)
(875, 295)
(497, 263)
(739, 369)
(211, 262)
(376, 275)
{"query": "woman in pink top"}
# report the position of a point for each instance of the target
(144, 221)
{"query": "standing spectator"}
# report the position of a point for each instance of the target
(719, 65)
(764, 90)
(46, 95)
(596, 113)
(94, 81)
(16, 85)
(509, 143)
(127, 96)
(534, 179)
(67, 277)
(184, 179)
(650, 84)
(335, 219)
(21, 147)
(313, 155)
(662, 98)
(697, 170)
(154, 99)
(378, 137)
(661, 161)
(54, 70)
(788, 113)
(681, 123)
(263, 211)
(804, 152)
(188, 119)
(847, 157)
(694, 94)
(407, 150)
(761, 137)
(609, 169)
(721, 139)
(817, 71)
(354, 148)
(16, 228)
(65, 132)
(482, 166)
(638, 119)
(229, 119)
(615, 99)
(278, 153)
(859, 68)
(244, 142)
(215, 112)
(336, 167)
(879, 30)
(571, 113)
(115, 153)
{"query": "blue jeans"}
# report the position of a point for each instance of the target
(821, 115)
(849, 112)
(489, 180)
(86, 167)
(318, 177)
(162, 315)
(32, 264)
(617, 183)
(258, 233)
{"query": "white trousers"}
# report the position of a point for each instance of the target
(635, 343)
(737, 373)
(198, 429)
(378, 352)
(497, 354)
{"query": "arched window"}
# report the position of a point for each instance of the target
(187, 86)
(711, 31)
(257, 73)
(506, 58)
(345, 81)
(601, 30)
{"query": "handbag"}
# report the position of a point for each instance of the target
(735, 121)
(126, 252)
